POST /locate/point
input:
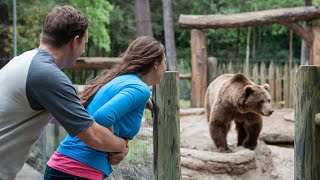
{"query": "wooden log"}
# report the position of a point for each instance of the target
(166, 130)
(307, 134)
(95, 63)
(185, 76)
(199, 68)
(284, 15)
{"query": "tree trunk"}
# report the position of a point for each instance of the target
(169, 35)
(143, 18)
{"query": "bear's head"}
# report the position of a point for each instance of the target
(257, 99)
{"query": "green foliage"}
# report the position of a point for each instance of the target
(122, 26)
(29, 22)
(98, 13)
(30, 15)
(112, 27)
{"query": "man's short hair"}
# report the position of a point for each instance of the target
(62, 24)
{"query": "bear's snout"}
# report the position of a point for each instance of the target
(270, 112)
(267, 109)
(267, 112)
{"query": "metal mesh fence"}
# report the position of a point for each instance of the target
(138, 164)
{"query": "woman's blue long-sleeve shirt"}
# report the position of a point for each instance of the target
(120, 103)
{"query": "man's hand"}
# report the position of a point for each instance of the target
(116, 157)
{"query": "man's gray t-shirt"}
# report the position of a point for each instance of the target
(33, 89)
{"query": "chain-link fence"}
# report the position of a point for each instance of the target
(138, 164)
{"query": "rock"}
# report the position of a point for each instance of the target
(214, 162)
(283, 162)
(277, 130)
(191, 111)
(289, 116)
(263, 157)
(274, 174)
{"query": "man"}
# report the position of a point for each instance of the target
(33, 88)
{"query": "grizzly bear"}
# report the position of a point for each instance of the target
(235, 97)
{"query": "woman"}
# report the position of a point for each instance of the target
(116, 100)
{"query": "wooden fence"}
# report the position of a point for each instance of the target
(280, 78)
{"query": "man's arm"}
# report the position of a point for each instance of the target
(116, 157)
(102, 139)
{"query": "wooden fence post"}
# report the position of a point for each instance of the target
(307, 133)
(212, 69)
(166, 129)
(278, 88)
(198, 68)
(314, 53)
(271, 83)
(255, 74)
(263, 72)
(286, 86)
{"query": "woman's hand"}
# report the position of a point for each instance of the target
(116, 157)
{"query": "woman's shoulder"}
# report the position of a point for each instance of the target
(134, 81)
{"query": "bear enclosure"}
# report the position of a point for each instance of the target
(307, 117)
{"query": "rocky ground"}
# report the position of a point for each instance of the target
(200, 160)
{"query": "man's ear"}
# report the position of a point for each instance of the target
(248, 89)
(75, 42)
(155, 66)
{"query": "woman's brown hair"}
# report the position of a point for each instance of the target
(139, 58)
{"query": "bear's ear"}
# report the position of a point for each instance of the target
(266, 86)
(248, 89)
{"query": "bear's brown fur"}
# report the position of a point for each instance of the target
(235, 97)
